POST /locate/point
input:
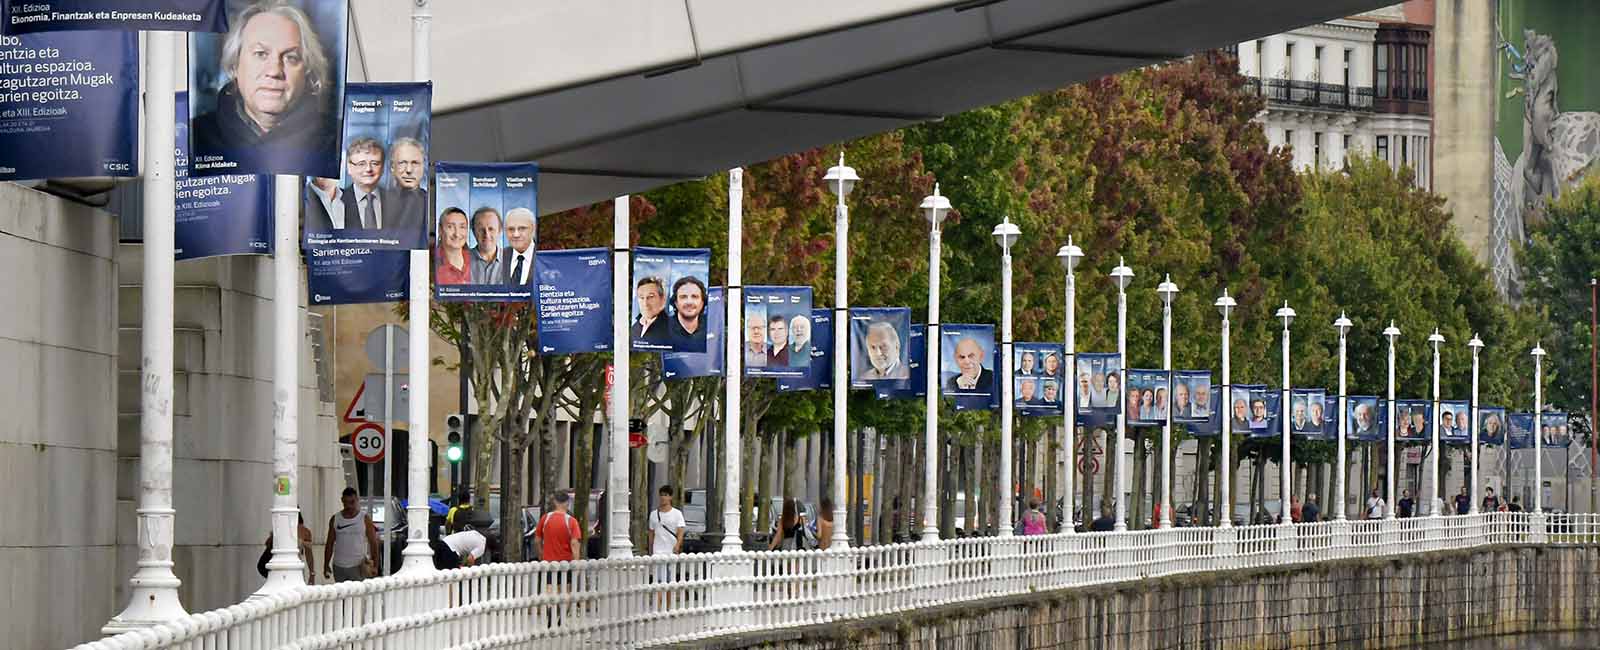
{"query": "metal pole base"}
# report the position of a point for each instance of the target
(154, 600)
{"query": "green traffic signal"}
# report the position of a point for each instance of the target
(453, 452)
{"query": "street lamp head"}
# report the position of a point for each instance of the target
(935, 207)
(1343, 324)
(1537, 351)
(1069, 255)
(1006, 234)
(1286, 315)
(1167, 290)
(841, 179)
(1436, 338)
(1392, 332)
(1476, 344)
(1225, 304)
(1122, 274)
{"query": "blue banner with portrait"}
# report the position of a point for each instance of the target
(69, 105)
(712, 362)
(966, 360)
(1520, 428)
(980, 402)
(917, 385)
(1211, 426)
(1554, 431)
(267, 96)
(230, 214)
(1306, 407)
(1045, 365)
(574, 300)
(1192, 396)
(1330, 418)
(29, 16)
(1099, 382)
(1366, 415)
(777, 324)
(1491, 425)
(380, 199)
(669, 289)
(819, 375)
(1411, 417)
(377, 204)
(1148, 397)
(486, 217)
(1454, 422)
(878, 349)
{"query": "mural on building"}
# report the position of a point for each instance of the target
(1547, 130)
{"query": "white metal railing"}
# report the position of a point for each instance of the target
(646, 601)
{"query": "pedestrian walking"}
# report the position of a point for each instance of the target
(1463, 502)
(558, 537)
(1309, 512)
(304, 550)
(1375, 506)
(352, 544)
(1033, 522)
(1407, 506)
(1491, 503)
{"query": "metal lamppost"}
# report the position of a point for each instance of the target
(1434, 501)
(1167, 290)
(841, 179)
(935, 208)
(1391, 332)
(733, 395)
(1225, 306)
(1477, 345)
(1005, 234)
(1284, 485)
(1069, 256)
(1343, 325)
(1538, 429)
(1123, 276)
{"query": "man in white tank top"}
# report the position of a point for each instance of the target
(348, 548)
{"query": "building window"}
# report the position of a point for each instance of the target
(1288, 138)
(1288, 60)
(1383, 148)
(1259, 63)
(1419, 67)
(1316, 149)
(1404, 157)
(1380, 80)
(1316, 64)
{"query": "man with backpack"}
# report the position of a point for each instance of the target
(558, 537)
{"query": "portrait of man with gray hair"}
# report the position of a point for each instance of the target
(883, 353)
(275, 110)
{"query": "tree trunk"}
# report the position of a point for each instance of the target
(749, 460)
(763, 475)
(793, 473)
(1051, 449)
(641, 501)
(1141, 483)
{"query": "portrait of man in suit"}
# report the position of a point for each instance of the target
(1029, 362)
(1202, 399)
(651, 293)
(883, 353)
(519, 255)
(363, 200)
(972, 376)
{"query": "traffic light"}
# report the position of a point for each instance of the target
(456, 424)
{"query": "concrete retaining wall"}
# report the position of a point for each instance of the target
(1405, 602)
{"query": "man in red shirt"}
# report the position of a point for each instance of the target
(558, 536)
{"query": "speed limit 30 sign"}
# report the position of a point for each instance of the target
(368, 442)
